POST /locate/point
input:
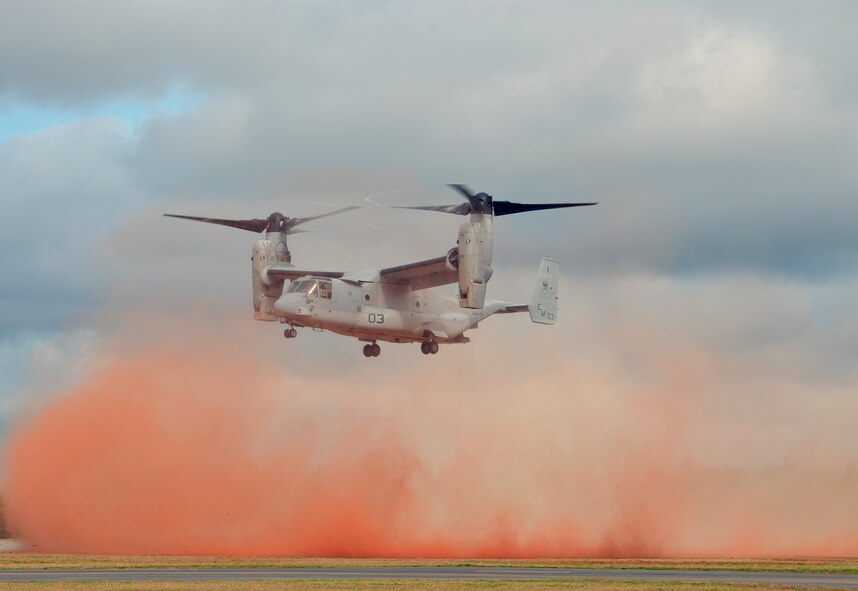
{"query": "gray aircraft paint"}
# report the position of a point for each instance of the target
(376, 311)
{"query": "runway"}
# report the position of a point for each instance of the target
(488, 573)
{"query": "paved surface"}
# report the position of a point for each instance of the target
(244, 574)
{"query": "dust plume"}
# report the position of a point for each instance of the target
(210, 449)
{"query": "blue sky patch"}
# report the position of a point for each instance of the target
(23, 118)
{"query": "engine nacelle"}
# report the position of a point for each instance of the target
(453, 259)
(265, 292)
(474, 264)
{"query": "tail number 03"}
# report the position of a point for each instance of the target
(545, 313)
(375, 318)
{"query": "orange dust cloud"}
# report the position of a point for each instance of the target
(167, 450)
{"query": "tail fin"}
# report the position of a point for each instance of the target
(543, 302)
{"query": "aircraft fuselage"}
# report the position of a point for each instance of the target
(375, 311)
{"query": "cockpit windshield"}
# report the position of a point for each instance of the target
(308, 286)
(312, 287)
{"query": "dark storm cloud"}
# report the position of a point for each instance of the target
(81, 52)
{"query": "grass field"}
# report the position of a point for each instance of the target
(391, 585)
(20, 560)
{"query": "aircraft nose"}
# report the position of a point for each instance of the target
(292, 304)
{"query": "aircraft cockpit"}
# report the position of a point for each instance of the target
(320, 288)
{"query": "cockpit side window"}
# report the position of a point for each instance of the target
(325, 289)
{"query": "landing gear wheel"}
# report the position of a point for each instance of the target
(424, 348)
(432, 346)
(367, 350)
(376, 350)
(290, 333)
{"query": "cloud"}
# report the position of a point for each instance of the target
(66, 188)
(715, 136)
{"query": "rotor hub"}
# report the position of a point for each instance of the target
(275, 222)
(481, 203)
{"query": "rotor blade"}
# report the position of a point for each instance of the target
(292, 222)
(459, 209)
(255, 225)
(464, 190)
(509, 207)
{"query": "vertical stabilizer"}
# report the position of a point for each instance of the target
(543, 302)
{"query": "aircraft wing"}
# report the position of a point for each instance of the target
(422, 274)
(419, 275)
(281, 271)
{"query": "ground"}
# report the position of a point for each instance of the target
(389, 585)
(34, 560)
(26, 560)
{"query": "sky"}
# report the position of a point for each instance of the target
(719, 138)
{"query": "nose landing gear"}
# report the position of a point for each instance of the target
(290, 333)
(429, 347)
(373, 350)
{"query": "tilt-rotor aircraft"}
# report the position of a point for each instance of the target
(395, 304)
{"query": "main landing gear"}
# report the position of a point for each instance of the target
(372, 350)
(290, 333)
(429, 347)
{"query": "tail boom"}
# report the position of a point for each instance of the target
(542, 306)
